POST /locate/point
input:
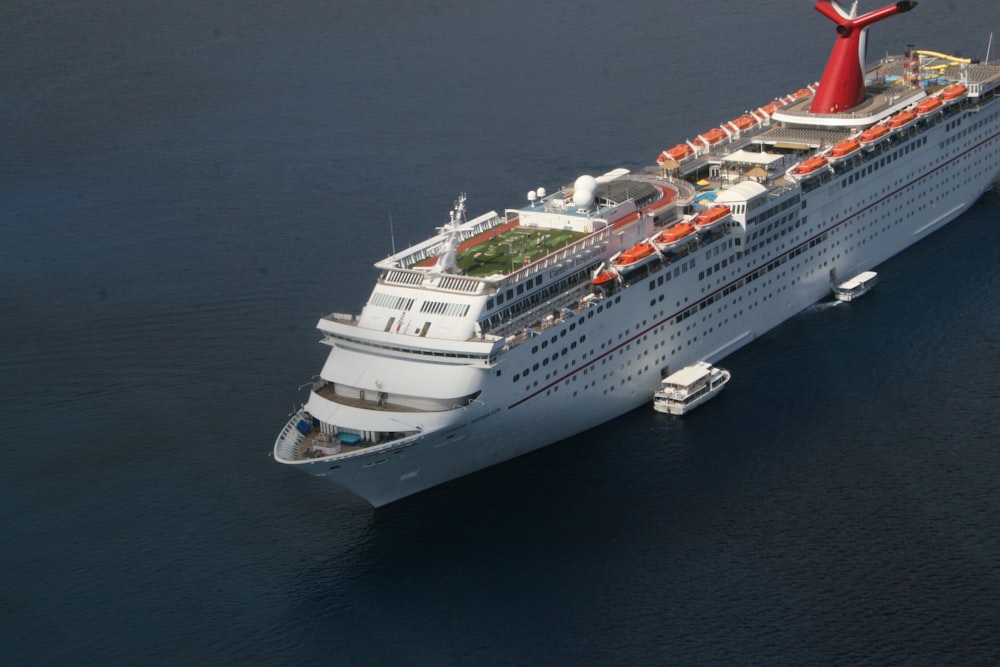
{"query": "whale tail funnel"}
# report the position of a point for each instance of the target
(843, 84)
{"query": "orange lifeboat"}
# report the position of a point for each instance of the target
(604, 276)
(874, 133)
(954, 92)
(671, 237)
(633, 255)
(902, 119)
(769, 109)
(677, 153)
(714, 136)
(844, 148)
(800, 93)
(710, 217)
(810, 165)
(744, 122)
(928, 105)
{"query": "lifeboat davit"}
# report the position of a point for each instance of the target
(844, 148)
(954, 92)
(810, 165)
(711, 217)
(874, 133)
(902, 119)
(634, 255)
(928, 105)
(671, 237)
(677, 153)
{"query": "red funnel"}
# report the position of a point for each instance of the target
(843, 84)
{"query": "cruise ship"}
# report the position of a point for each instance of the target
(505, 332)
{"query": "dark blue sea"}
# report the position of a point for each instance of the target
(185, 187)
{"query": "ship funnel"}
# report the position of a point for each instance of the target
(843, 84)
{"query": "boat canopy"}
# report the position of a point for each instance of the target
(621, 190)
(744, 191)
(687, 376)
(751, 157)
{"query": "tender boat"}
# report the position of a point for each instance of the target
(873, 134)
(711, 217)
(810, 165)
(713, 136)
(634, 255)
(677, 153)
(604, 276)
(902, 119)
(856, 286)
(954, 92)
(928, 105)
(744, 122)
(844, 148)
(689, 387)
(670, 238)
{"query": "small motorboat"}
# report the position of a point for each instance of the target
(677, 153)
(604, 277)
(713, 136)
(856, 286)
(873, 133)
(954, 92)
(928, 105)
(711, 217)
(902, 119)
(844, 148)
(689, 387)
(744, 122)
(810, 165)
(670, 238)
(634, 255)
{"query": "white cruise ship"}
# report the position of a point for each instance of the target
(509, 331)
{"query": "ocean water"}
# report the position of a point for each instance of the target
(187, 186)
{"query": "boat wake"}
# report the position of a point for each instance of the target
(823, 305)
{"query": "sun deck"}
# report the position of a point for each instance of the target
(501, 252)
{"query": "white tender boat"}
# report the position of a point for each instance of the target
(689, 387)
(856, 286)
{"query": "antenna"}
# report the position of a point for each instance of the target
(988, 45)
(392, 234)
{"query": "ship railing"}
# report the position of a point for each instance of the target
(597, 238)
(431, 247)
(290, 437)
(542, 316)
(346, 318)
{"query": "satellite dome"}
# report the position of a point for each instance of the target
(583, 197)
(586, 182)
